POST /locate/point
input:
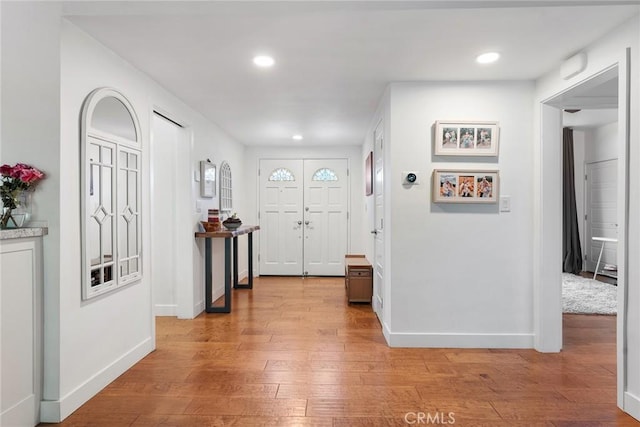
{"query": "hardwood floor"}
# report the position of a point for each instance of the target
(293, 353)
(599, 277)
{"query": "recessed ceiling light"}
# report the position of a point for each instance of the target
(264, 61)
(297, 137)
(488, 58)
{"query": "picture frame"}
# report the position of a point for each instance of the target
(207, 179)
(466, 138)
(465, 186)
(368, 174)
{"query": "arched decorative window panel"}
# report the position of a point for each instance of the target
(111, 158)
(112, 116)
(226, 188)
(324, 174)
(282, 174)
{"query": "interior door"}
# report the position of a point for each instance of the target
(281, 217)
(601, 208)
(378, 192)
(325, 216)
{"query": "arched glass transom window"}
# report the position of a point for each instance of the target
(226, 188)
(111, 158)
(324, 174)
(282, 174)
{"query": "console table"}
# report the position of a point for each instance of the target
(230, 275)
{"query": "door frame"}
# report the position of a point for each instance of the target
(548, 218)
(258, 191)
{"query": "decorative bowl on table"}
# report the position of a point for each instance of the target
(232, 223)
(210, 226)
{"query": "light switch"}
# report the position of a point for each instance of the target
(505, 203)
(198, 206)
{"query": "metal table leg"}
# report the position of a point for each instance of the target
(226, 308)
(249, 284)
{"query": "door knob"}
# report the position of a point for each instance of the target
(299, 222)
(374, 231)
(307, 222)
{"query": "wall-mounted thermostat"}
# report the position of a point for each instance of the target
(410, 178)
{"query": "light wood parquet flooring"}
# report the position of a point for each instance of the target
(294, 353)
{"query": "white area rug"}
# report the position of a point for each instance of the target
(587, 296)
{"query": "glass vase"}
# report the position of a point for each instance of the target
(20, 215)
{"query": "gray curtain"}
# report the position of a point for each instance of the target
(571, 251)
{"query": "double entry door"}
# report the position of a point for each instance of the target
(303, 216)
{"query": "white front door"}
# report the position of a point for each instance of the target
(281, 191)
(325, 216)
(602, 213)
(303, 217)
(378, 194)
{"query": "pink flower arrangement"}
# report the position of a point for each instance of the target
(24, 174)
(15, 179)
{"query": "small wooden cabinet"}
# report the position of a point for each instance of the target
(358, 278)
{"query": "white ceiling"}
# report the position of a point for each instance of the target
(333, 59)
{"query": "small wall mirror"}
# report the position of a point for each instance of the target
(111, 158)
(207, 179)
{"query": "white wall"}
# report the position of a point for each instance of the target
(356, 166)
(31, 132)
(619, 48)
(460, 274)
(601, 143)
(211, 142)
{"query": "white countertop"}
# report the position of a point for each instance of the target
(19, 233)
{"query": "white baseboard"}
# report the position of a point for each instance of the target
(632, 405)
(54, 411)
(22, 413)
(444, 340)
(165, 310)
(198, 308)
(386, 332)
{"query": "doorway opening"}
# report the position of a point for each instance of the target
(605, 91)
